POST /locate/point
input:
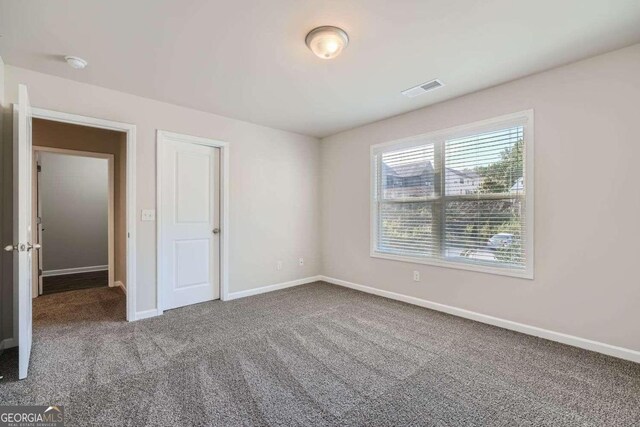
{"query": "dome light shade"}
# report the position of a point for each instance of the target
(327, 42)
(76, 62)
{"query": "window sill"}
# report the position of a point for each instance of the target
(469, 266)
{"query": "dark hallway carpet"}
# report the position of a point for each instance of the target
(73, 282)
(311, 355)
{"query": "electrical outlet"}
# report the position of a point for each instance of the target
(279, 265)
(300, 261)
(416, 276)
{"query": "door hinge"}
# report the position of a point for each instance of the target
(38, 220)
(39, 168)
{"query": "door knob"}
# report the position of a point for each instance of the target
(216, 230)
(33, 246)
(10, 248)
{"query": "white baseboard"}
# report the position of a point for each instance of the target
(76, 270)
(241, 294)
(271, 288)
(119, 284)
(147, 314)
(8, 343)
(610, 350)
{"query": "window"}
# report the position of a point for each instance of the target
(458, 198)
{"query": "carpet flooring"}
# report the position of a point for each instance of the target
(73, 282)
(317, 355)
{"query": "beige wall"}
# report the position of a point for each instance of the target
(47, 133)
(587, 203)
(586, 195)
(274, 181)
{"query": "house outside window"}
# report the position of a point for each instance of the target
(459, 198)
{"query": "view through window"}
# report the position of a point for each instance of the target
(455, 199)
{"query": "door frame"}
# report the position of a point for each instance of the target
(130, 132)
(22, 333)
(162, 137)
(110, 204)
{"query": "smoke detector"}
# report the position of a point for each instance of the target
(422, 88)
(75, 62)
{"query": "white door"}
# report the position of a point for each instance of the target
(189, 206)
(23, 248)
(39, 227)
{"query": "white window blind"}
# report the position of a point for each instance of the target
(457, 198)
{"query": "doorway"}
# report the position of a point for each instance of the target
(24, 246)
(73, 213)
(192, 179)
(86, 135)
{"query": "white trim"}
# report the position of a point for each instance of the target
(8, 343)
(526, 119)
(459, 265)
(111, 247)
(75, 270)
(71, 152)
(147, 314)
(119, 284)
(271, 288)
(599, 347)
(36, 235)
(16, 291)
(130, 131)
(487, 125)
(161, 137)
(111, 221)
(242, 294)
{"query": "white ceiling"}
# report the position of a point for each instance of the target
(247, 59)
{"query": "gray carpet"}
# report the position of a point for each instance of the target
(311, 355)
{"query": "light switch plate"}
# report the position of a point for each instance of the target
(148, 215)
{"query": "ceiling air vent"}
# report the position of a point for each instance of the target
(422, 88)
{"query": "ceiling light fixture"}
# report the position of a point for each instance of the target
(75, 62)
(327, 42)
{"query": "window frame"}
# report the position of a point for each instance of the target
(524, 119)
